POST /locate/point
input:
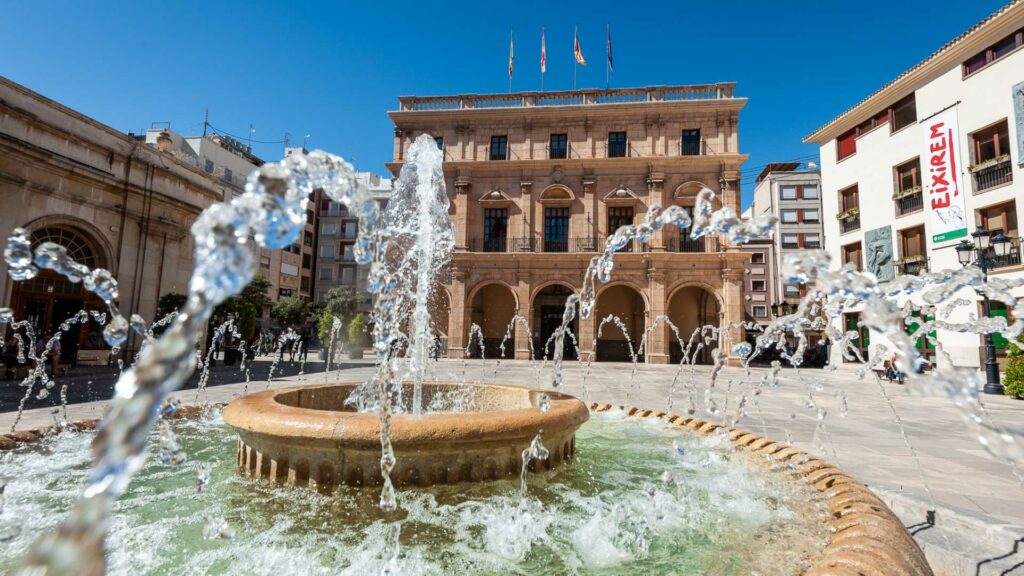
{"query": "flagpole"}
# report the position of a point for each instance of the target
(607, 69)
(511, 56)
(543, 59)
(575, 38)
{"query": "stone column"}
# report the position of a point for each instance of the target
(462, 185)
(522, 335)
(657, 347)
(732, 294)
(457, 315)
(587, 327)
(655, 195)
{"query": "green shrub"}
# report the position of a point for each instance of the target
(1014, 377)
(357, 331)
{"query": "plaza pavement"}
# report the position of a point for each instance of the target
(978, 499)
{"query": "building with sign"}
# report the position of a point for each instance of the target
(924, 162)
(538, 180)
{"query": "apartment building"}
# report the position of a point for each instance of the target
(927, 161)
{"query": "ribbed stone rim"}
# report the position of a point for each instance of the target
(866, 538)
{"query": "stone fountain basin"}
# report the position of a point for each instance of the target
(304, 435)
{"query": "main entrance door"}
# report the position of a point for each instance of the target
(549, 305)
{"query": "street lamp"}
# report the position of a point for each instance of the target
(985, 252)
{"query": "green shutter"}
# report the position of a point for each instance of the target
(997, 337)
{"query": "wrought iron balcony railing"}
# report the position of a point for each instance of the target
(910, 203)
(992, 176)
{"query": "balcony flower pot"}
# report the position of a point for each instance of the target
(848, 213)
(989, 163)
(904, 193)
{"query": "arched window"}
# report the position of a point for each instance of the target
(79, 248)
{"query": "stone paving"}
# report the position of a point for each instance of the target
(964, 481)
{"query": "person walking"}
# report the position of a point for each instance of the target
(303, 346)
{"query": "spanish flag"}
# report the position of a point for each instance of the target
(576, 49)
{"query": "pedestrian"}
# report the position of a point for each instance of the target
(303, 346)
(55, 358)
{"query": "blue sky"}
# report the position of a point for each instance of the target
(332, 69)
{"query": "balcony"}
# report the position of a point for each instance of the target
(849, 220)
(911, 265)
(992, 173)
(685, 244)
(720, 91)
(909, 201)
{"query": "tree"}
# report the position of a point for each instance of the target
(290, 312)
(247, 321)
(1014, 376)
(254, 293)
(357, 331)
(170, 302)
(341, 302)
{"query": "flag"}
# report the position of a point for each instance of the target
(576, 50)
(543, 54)
(610, 67)
(511, 52)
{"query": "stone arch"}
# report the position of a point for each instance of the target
(556, 193)
(49, 299)
(689, 190)
(88, 230)
(491, 305)
(691, 305)
(547, 304)
(630, 304)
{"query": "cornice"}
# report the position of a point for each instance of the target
(576, 112)
(707, 163)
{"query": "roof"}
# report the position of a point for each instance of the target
(777, 167)
(1014, 6)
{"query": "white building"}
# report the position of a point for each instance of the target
(223, 156)
(916, 167)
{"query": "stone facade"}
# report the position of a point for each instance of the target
(537, 182)
(115, 202)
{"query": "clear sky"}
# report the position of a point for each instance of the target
(332, 69)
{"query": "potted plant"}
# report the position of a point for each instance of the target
(849, 213)
(356, 337)
(990, 162)
(907, 192)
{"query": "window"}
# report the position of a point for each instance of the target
(1001, 217)
(307, 238)
(904, 113)
(327, 250)
(264, 263)
(495, 229)
(349, 230)
(285, 292)
(304, 284)
(998, 310)
(846, 145)
(790, 240)
(788, 192)
(326, 273)
(439, 140)
(812, 241)
(912, 251)
(760, 311)
(757, 258)
(227, 175)
(991, 143)
(559, 147)
(348, 253)
(993, 53)
(852, 254)
(863, 340)
(307, 261)
(294, 249)
(310, 216)
(690, 144)
(499, 147)
(209, 166)
(329, 229)
(812, 215)
(908, 175)
(556, 229)
(791, 290)
(809, 192)
(619, 216)
(758, 285)
(789, 216)
(348, 275)
(616, 144)
(849, 198)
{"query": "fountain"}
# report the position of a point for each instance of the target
(649, 491)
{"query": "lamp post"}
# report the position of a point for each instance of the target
(987, 249)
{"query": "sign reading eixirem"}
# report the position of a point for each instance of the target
(940, 163)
